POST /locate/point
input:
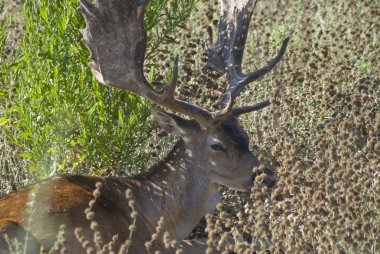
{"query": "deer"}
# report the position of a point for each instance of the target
(213, 149)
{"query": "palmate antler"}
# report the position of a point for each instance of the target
(226, 55)
(116, 38)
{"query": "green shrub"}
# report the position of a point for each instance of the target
(64, 120)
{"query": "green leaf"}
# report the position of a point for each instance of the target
(120, 117)
(4, 121)
(25, 135)
(25, 155)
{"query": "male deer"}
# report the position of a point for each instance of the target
(183, 187)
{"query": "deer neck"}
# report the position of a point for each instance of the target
(178, 190)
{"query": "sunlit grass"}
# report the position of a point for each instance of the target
(321, 134)
(59, 117)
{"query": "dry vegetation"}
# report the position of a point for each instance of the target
(11, 173)
(321, 134)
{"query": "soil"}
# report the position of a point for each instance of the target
(13, 11)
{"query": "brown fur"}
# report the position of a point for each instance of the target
(62, 201)
(179, 189)
(15, 232)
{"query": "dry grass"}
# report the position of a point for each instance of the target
(13, 173)
(14, 8)
(321, 134)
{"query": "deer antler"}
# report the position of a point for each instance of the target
(116, 37)
(227, 53)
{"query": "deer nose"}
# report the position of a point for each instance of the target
(270, 178)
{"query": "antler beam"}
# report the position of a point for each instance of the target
(116, 37)
(227, 54)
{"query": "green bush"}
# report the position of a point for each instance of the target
(64, 120)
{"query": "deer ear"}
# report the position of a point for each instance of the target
(173, 123)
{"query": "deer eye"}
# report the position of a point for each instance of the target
(217, 147)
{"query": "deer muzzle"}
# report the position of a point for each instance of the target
(269, 178)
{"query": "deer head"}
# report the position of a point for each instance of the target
(117, 40)
(220, 150)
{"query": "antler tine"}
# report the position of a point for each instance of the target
(116, 38)
(238, 82)
(250, 108)
(227, 54)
